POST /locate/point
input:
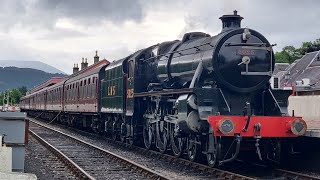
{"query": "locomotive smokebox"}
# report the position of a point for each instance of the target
(231, 21)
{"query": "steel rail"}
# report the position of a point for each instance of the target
(295, 175)
(149, 173)
(75, 169)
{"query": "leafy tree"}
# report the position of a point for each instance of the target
(23, 90)
(289, 53)
(282, 57)
(306, 47)
(14, 95)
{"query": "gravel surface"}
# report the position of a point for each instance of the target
(44, 164)
(169, 169)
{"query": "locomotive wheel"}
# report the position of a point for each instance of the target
(192, 148)
(147, 135)
(176, 144)
(162, 136)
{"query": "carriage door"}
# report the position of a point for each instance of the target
(130, 89)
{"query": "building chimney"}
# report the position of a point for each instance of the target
(75, 68)
(96, 58)
(85, 63)
(82, 64)
(231, 21)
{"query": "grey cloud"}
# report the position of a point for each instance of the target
(285, 22)
(44, 13)
(59, 34)
(113, 10)
(13, 50)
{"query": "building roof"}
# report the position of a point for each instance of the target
(306, 67)
(280, 67)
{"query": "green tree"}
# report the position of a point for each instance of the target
(13, 94)
(306, 47)
(293, 53)
(289, 53)
(282, 57)
(23, 90)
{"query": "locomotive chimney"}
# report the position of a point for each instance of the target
(85, 63)
(231, 21)
(82, 64)
(75, 68)
(96, 58)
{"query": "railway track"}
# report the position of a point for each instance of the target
(214, 172)
(88, 161)
(294, 175)
(199, 171)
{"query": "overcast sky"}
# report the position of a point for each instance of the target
(61, 32)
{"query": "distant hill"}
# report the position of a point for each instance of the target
(13, 77)
(30, 64)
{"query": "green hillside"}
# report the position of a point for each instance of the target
(13, 77)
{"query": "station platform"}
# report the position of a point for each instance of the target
(313, 133)
(313, 128)
(13, 139)
(17, 175)
(306, 107)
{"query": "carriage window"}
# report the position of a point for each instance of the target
(131, 69)
(89, 91)
(89, 80)
(93, 80)
(85, 82)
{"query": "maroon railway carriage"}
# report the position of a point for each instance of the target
(82, 92)
(55, 97)
(78, 94)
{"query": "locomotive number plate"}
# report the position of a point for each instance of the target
(246, 52)
(111, 90)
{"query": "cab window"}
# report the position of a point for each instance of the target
(130, 69)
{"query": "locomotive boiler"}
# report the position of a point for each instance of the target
(203, 94)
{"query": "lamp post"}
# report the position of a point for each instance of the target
(4, 97)
(8, 98)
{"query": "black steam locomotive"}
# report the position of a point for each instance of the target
(200, 95)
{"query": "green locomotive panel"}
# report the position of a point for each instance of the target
(113, 90)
